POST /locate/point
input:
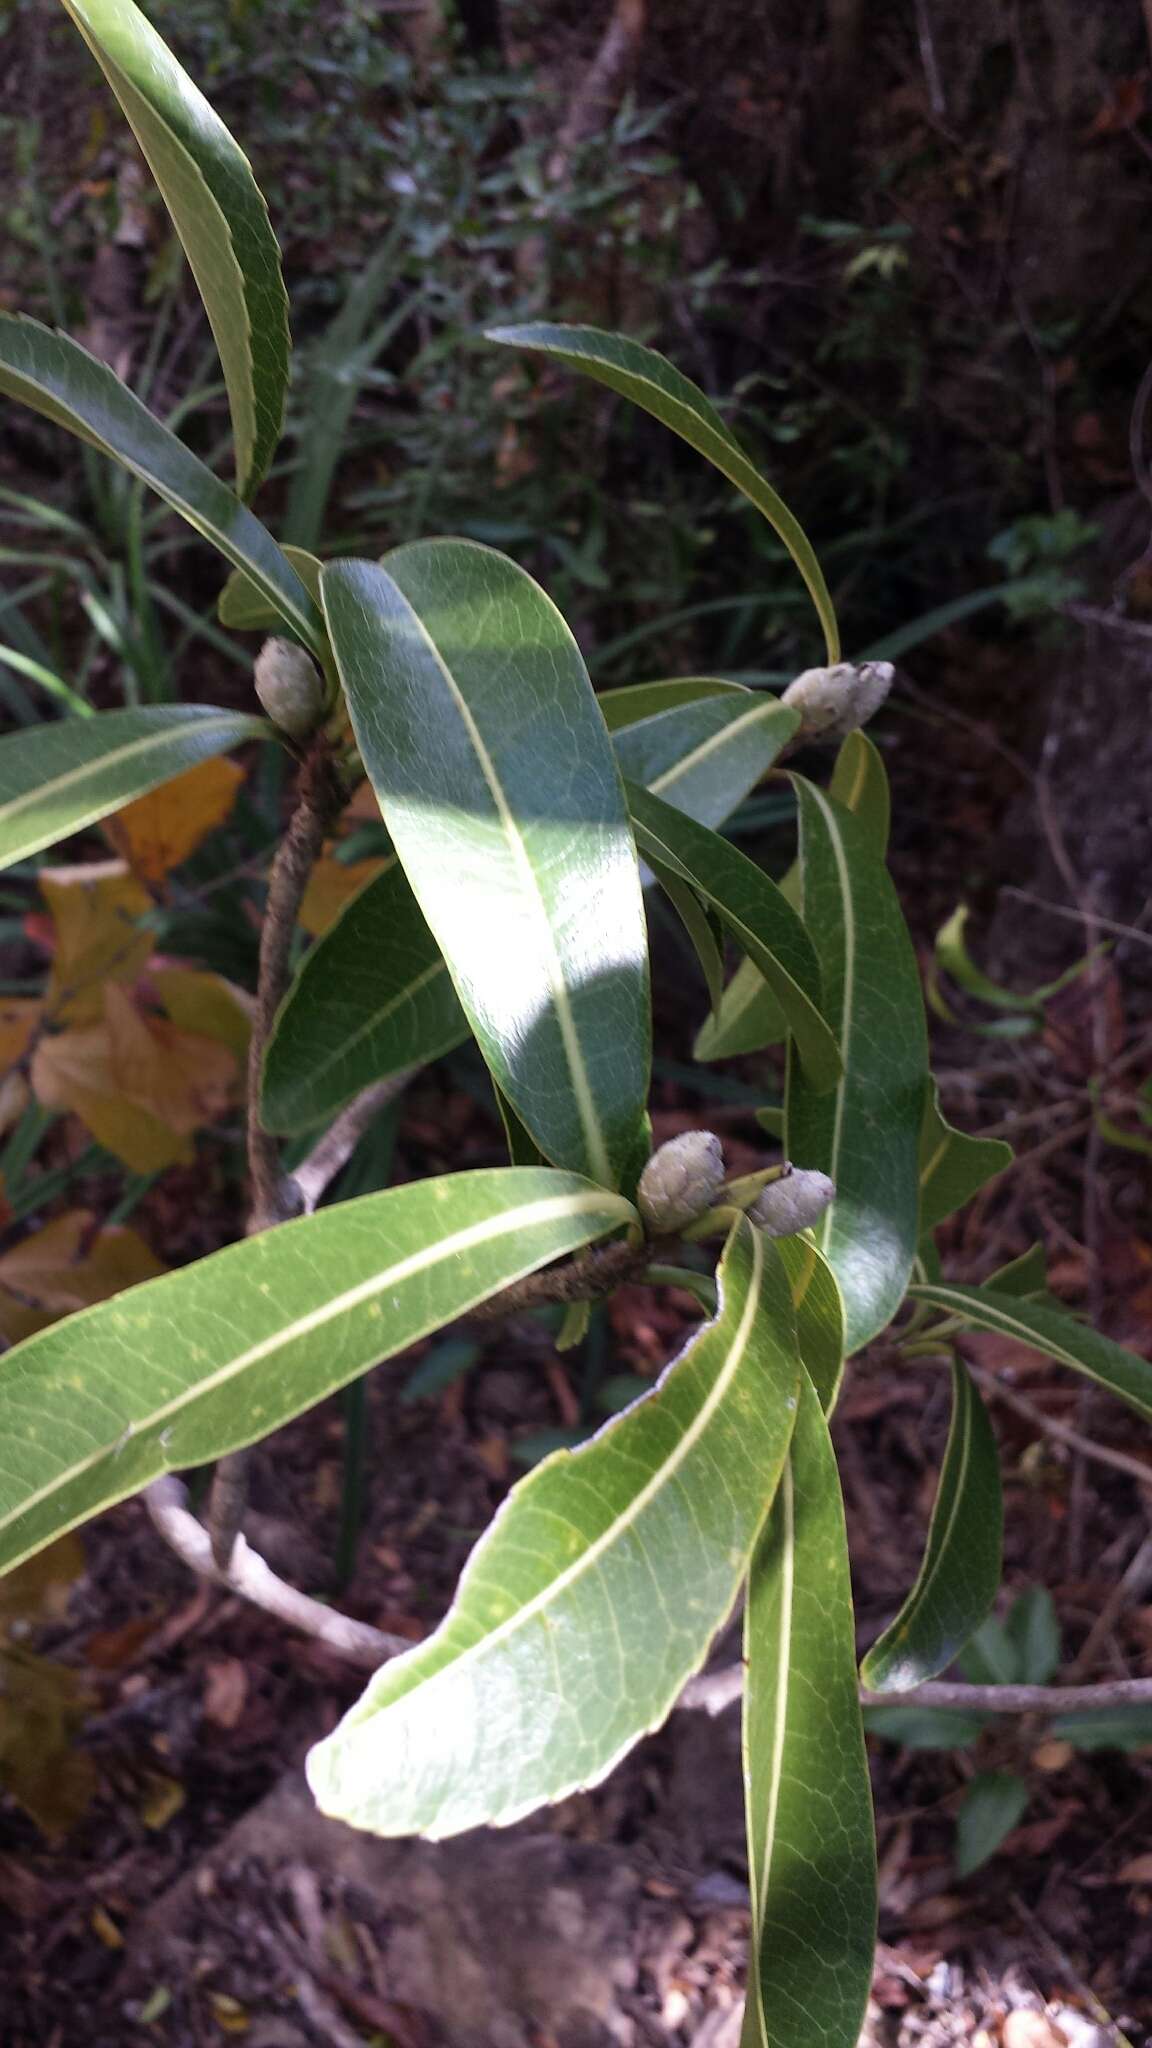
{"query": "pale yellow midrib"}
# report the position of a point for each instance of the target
(353, 1297)
(581, 1086)
(762, 712)
(97, 766)
(639, 1502)
(780, 1720)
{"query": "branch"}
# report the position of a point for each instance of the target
(712, 1691)
(248, 1575)
(302, 1189)
(596, 1273)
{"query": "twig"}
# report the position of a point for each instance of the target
(712, 1691)
(1062, 1432)
(601, 85)
(248, 1575)
(1107, 924)
(1127, 1590)
(331, 1153)
(273, 1199)
(596, 1273)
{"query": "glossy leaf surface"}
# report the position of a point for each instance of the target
(184, 1368)
(753, 910)
(960, 1574)
(59, 379)
(1050, 1332)
(371, 998)
(819, 1316)
(218, 212)
(592, 1597)
(651, 381)
(953, 1166)
(634, 701)
(704, 758)
(480, 732)
(865, 1134)
(748, 1016)
(56, 779)
(243, 607)
(811, 1840)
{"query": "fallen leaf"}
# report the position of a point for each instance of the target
(183, 1078)
(331, 885)
(162, 1801)
(1137, 1871)
(159, 831)
(97, 935)
(39, 1589)
(225, 1691)
(73, 1070)
(206, 1004)
(57, 1270)
(105, 1928)
(42, 1705)
(19, 1016)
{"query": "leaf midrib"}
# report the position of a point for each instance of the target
(99, 762)
(554, 1207)
(639, 1502)
(581, 1087)
(765, 713)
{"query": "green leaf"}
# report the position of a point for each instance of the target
(444, 1364)
(182, 1369)
(749, 1017)
(636, 701)
(993, 1804)
(218, 212)
(754, 912)
(241, 606)
(593, 1596)
(479, 729)
(925, 1727)
(1025, 1276)
(56, 779)
(522, 1147)
(953, 1166)
(819, 1316)
(704, 758)
(959, 1577)
(1050, 1332)
(651, 381)
(811, 1839)
(1117, 1728)
(701, 927)
(372, 997)
(990, 1656)
(865, 1135)
(56, 377)
(1033, 1630)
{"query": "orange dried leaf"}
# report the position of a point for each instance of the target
(183, 1079)
(74, 1070)
(19, 1016)
(54, 1271)
(96, 915)
(158, 831)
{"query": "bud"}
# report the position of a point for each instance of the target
(290, 687)
(832, 702)
(795, 1202)
(680, 1181)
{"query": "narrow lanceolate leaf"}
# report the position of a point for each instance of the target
(953, 1166)
(163, 1376)
(57, 779)
(819, 1316)
(244, 608)
(959, 1577)
(704, 758)
(627, 706)
(218, 212)
(58, 378)
(811, 1840)
(372, 997)
(754, 912)
(479, 728)
(748, 1016)
(1047, 1330)
(592, 1597)
(651, 381)
(865, 1135)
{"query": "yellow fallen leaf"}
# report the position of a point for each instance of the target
(162, 1801)
(96, 915)
(42, 1704)
(19, 1016)
(184, 1079)
(158, 831)
(39, 1589)
(105, 1928)
(205, 1003)
(56, 1270)
(74, 1070)
(331, 885)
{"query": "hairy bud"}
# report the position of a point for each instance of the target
(794, 1202)
(680, 1181)
(832, 702)
(290, 687)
